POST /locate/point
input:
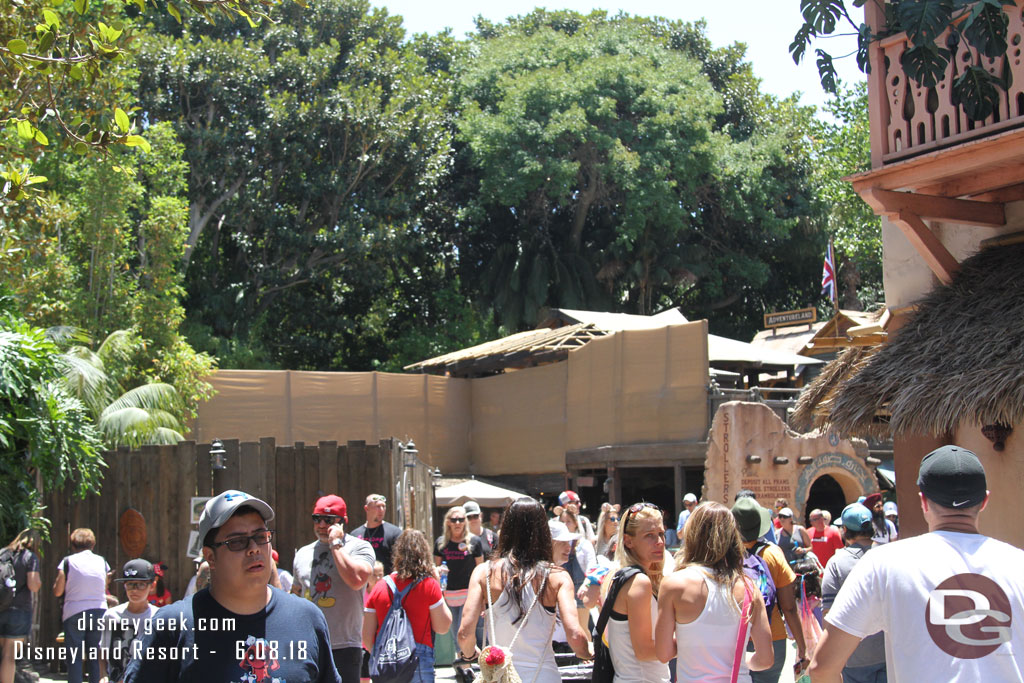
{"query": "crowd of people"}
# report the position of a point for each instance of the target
(534, 581)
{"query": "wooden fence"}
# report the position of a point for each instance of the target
(160, 481)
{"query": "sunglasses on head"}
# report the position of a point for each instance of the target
(637, 507)
(377, 498)
(326, 519)
(239, 543)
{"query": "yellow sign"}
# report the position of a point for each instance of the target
(785, 318)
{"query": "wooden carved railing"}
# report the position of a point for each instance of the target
(907, 119)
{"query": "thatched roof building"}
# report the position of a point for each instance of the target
(958, 359)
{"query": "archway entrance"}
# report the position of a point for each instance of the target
(826, 494)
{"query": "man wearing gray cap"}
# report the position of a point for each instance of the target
(949, 601)
(239, 628)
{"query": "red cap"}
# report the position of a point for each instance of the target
(273, 554)
(566, 497)
(872, 500)
(331, 505)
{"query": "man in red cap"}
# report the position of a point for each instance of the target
(332, 571)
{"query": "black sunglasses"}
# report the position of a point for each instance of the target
(239, 543)
(457, 520)
(329, 519)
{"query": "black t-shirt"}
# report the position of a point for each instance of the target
(461, 558)
(382, 538)
(488, 539)
(287, 640)
(25, 561)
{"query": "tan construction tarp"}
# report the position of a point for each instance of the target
(633, 386)
(639, 386)
(310, 407)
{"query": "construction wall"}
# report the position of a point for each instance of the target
(519, 421)
(633, 387)
(639, 386)
(311, 407)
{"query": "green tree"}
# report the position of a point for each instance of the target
(623, 163)
(843, 147)
(316, 147)
(980, 24)
(47, 439)
(60, 78)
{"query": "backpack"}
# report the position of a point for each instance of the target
(604, 670)
(394, 657)
(8, 584)
(755, 567)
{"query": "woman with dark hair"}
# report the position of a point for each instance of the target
(525, 590)
(82, 579)
(16, 620)
(423, 604)
(701, 606)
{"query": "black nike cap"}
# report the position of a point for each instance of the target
(952, 477)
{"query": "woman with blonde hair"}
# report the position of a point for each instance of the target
(703, 606)
(607, 530)
(16, 620)
(629, 631)
(456, 553)
(426, 609)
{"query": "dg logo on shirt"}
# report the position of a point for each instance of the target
(968, 616)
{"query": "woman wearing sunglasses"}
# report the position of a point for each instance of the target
(630, 629)
(703, 606)
(456, 553)
(607, 530)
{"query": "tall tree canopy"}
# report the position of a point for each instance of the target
(316, 146)
(624, 164)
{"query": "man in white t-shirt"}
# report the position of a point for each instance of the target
(950, 602)
(885, 531)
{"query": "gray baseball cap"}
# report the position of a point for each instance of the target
(471, 507)
(219, 509)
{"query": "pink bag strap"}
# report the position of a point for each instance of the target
(741, 636)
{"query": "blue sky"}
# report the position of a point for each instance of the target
(766, 32)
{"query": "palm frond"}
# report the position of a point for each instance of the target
(155, 396)
(66, 334)
(165, 436)
(85, 378)
(119, 344)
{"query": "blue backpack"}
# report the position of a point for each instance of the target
(756, 568)
(394, 657)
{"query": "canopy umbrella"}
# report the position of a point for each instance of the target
(487, 495)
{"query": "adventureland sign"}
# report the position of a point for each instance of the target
(802, 316)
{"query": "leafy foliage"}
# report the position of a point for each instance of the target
(317, 148)
(46, 436)
(981, 25)
(624, 164)
(842, 147)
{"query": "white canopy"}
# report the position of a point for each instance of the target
(487, 495)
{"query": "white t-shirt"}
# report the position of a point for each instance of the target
(316, 573)
(888, 536)
(948, 602)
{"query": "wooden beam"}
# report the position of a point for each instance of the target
(935, 207)
(931, 249)
(683, 452)
(977, 181)
(1013, 193)
(844, 343)
(1003, 240)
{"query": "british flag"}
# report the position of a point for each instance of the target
(828, 276)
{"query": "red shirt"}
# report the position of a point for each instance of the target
(825, 543)
(417, 604)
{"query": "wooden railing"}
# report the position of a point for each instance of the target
(907, 119)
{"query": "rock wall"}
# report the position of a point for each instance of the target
(784, 464)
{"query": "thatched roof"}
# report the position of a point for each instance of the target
(813, 405)
(959, 358)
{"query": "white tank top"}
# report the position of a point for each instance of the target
(533, 647)
(705, 647)
(629, 669)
